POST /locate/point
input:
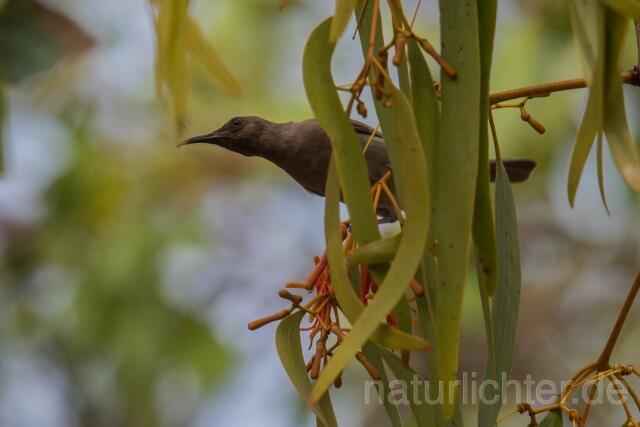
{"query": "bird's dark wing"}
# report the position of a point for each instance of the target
(518, 170)
(364, 129)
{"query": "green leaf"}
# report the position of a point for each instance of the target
(506, 302)
(344, 9)
(403, 267)
(588, 21)
(627, 8)
(600, 165)
(199, 47)
(347, 152)
(349, 162)
(483, 226)
(552, 419)
(605, 106)
(171, 63)
(616, 129)
(349, 302)
(378, 252)
(425, 108)
(457, 169)
(372, 354)
(290, 353)
(423, 412)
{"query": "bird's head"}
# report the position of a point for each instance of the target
(243, 135)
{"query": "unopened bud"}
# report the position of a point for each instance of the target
(283, 293)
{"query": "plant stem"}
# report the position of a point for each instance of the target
(603, 360)
(631, 77)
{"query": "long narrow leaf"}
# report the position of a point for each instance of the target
(424, 413)
(349, 302)
(616, 129)
(586, 21)
(506, 302)
(290, 353)
(483, 227)
(457, 168)
(344, 9)
(199, 47)
(403, 268)
(373, 355)
(347, 152)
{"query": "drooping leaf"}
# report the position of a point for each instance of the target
(412, 244)
(171, 62)
(425, 108)
(348, 161)
(506, 302)
(600, 166)
(372, 354)
(347, 152)
(423, 412)
(457, 168)
(483, 226)
(349, 302)
(603, 28)
(427, 275)
(344, 9)
(290, 352)
(200, 49)
(378, 252)
(588, 21)
(616, 129)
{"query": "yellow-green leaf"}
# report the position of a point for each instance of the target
(411, 246)
(349, 302)
(587, 21)
(344, 9)
(290, 353)
(616, 129)
(347, 152)
(199, 47)
(378, 252)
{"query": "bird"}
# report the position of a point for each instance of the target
(303, 150)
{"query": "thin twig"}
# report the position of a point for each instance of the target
(604, 358)
(415, 13)
(360, 16)
(630, 77)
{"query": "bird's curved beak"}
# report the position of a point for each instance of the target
(208, 138)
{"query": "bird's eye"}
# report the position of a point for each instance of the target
(235, 123)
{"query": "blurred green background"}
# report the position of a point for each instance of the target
(129, 269)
